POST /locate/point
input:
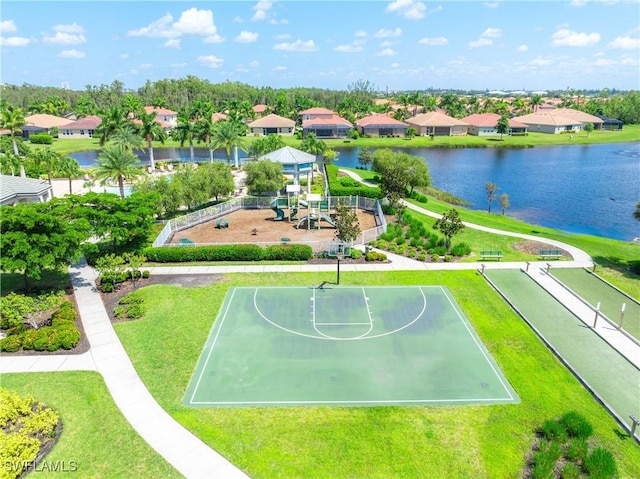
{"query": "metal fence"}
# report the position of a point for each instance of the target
(252, 202)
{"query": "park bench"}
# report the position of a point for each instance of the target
(550, 254)
(285, 240)
(491, 254)
(186, 242)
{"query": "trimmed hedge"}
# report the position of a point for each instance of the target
(239, 252)
(41, 139)
(348, 186)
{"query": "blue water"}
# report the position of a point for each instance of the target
(580, 189)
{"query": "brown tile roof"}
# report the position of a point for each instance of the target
(576, 115)
(546, 118)
(87, 123)
(317, 111)
(489, 119)
(218, 116)
(379, 120)
(272, 121)
(46, 121)
(159, 110)
(260, 108)
(435, 118)
(333, 121)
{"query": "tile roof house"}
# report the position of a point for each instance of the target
(272, 124)
(167, 118)
(260, 109)
(484, 124)
(549, 123)
(82, 128)
(218, 116)
(324, 123)
(44, 120)
(581, 116)
(381, 125)
(438, 124)
(18, 189)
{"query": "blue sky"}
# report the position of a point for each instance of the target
(400, 45)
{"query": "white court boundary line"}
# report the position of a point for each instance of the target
(315, 324)
(475, 340)
(355, 402)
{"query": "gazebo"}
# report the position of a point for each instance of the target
(294, 162)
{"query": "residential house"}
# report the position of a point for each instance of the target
(18, 189)
(381, 125)
(260, 110)
(438, 124)
(218, 116)
(549, 123)
(82, 128)
(167, 118)
(610, 123)
(272, 124)
(46, 122)
(581, 116)
(324, 123)
(485, 124)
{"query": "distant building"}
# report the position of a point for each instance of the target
(82, 128)
(18, 189)
(485, 124)
(438, 124)
(549, 123)
(324, 123)
(272, 124)
(381, 125)
(610, 123)
(167, 118)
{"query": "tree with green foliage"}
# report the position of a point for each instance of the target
(227, 135)
(418, 171)
(588, 127)
(150, 130)
(365, 157)
(69, 168)
(12, 119)
(185, 132)
(10, 164)
(218, 179)
(112, 120)
(128, 137)
(263, 176)
(410, 133)
(504, 202)
(347, 224)
(266, 144)
(490, 189)
(119, 164)
(44, 158)
(39, 236)
(449, 225)
(502, 126)
(190, 186)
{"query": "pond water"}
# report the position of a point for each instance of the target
(590, 189)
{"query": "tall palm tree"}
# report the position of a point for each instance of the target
(117, 163)
(127, 137)
(69, 168)
(112, 120)
(227, 135)
(185, 131)
(151, 130)
(10, 163)
(204, 133)
(45, 157)
(12, 118)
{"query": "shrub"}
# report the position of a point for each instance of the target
(28, 337)
(107, 288)
(570, 471)
(146, 273)
(439, 250)
(41, 139)
(435, 258)
(448, 258)
(422, 257)
(10, 344)
(68, 336)
(576, 425)
(577, 449)
(553, 431)
(461, 249)
(600, 464)
(356, 253)
(375, 256)
(288, 252)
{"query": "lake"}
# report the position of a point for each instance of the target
(588, 189)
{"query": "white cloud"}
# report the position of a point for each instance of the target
(386, 43)
(395, 65)
(237, 19)
(178, 65)
(481, 42)
(254, 64)
(407, 8)
(261, 8)
(297, 46)
(124, 56)
(522, 48)
(8, 26)
(350, 48)
(491, 4)
(246, 37)
(387, 52)
(283, 36)
(360, 33)
(577, 3)
(210, 61)
(172, 43)
(567, 38)
(629, 61)
(486, 38)
(71, 54)
(384, 33)
(279, 68)
(625, 43)
(14, 41)
(192, 22)
(73, 28)
(433, 42)
(540, 62)
(146, 65)
(282, 21)
(491, 33)
(65, 38)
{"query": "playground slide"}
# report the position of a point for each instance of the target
(279, 212)
(323, 217)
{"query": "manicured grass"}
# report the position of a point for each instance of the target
(95, 434)
(52, 280)
(377, 442)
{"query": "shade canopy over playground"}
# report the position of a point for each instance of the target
(293, 162)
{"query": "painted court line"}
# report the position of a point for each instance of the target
(364, 401)
(478, 345)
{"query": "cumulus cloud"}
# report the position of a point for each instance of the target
(486, 38)
(14, 41)
(283, 36)
(72, 54)
(384, 33)
(261, 8)
(192, 22)
(491, 33)
(625, 43)
(8, 26)
(353, 47)
(568, 38)
(246, 37)
(491, 4)
(66, 35)
(522, 48)
(178, 65)
(361, 34)
(540, 62)
(407, 8)
(279, 68)
(172, 43)
(297, 46)
(210, 61)
(387, 52)
(433, 42)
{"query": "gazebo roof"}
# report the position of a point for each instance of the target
(289, 156)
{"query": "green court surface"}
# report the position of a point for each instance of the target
(349, 346)
(593, 290)
(614, 378)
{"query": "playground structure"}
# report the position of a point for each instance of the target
(292, 202)
(316, 207)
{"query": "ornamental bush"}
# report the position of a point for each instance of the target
(240, 252)
(41, 139)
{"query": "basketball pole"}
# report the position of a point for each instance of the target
(338, 275)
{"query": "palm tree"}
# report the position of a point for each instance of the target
(12, 118)
(117, 163)
(131, 105)
(127, 137)
(45, 157)
(204, 132)
(151, 130)
(10, 163)
(227, 135)
(69, 168)
(185, 131)
(112, 121)
(536, 100)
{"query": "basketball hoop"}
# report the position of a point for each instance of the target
(339, 257)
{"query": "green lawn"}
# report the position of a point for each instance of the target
(95, 434)
(377, 442)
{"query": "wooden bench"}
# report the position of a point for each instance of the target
(550, 253)
(491, 254)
